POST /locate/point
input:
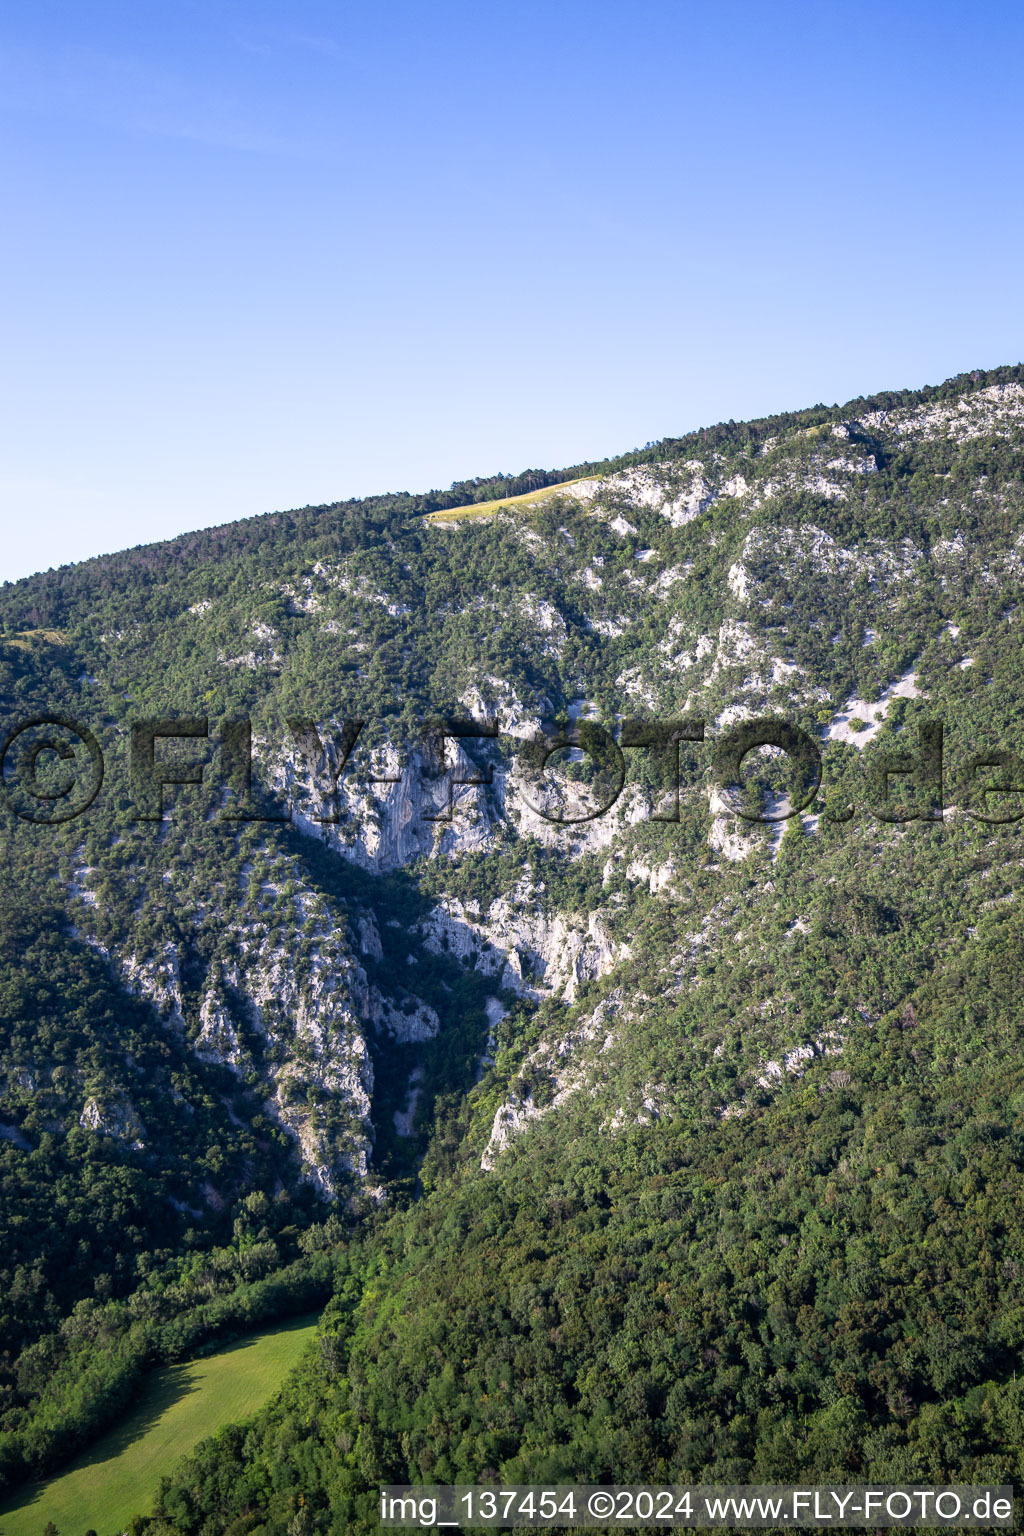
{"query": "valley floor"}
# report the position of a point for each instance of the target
(118, 1477)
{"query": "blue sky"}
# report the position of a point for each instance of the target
(261, 255)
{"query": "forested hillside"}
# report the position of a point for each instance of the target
(625, 1131)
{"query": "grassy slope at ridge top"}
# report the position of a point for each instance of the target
(488, 508)
(182, 1404)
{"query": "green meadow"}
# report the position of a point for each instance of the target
(118, 1476)
(488, 508)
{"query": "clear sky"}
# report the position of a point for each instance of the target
(258, 255)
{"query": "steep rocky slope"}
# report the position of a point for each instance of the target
(435, 955)
(841, 573)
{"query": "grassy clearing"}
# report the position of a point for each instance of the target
(488, 508)
(24, 639)
(183, 1404)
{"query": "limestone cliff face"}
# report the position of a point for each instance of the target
(285, 1005)
(119, 1119)
(722, 585)
(568, 1067)
(530, 951)
(390, 808)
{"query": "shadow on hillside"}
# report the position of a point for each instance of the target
(458, 993)
(172, 1384)
(161, 1391)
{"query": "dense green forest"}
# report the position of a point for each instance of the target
(664, 1145)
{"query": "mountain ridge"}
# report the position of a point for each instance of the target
(465, 493)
